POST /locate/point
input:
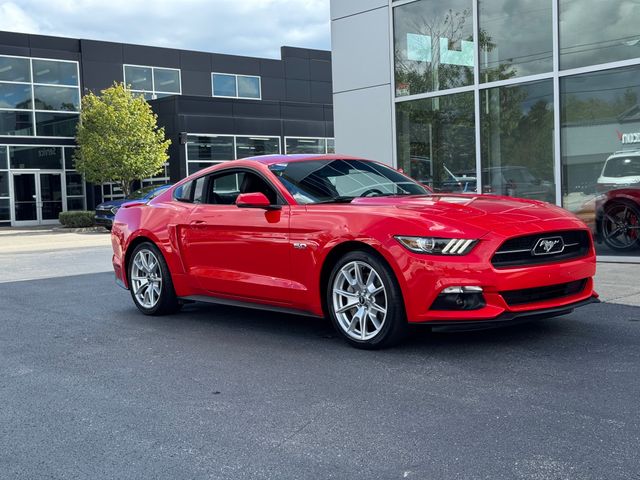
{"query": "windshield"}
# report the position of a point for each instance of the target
(328, 181)
(622, 167)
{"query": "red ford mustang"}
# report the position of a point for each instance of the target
(354, 240)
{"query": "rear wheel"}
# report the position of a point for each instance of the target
(150, 281)
(621, 226)
(365, 303)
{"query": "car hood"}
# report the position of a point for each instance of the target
(502, 214)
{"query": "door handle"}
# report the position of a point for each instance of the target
(198, 223)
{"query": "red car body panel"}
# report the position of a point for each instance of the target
(251, 255)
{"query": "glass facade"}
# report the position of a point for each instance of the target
(38, 97)
(533, 99)
(307, 145)
(236, 86)
(152, 82)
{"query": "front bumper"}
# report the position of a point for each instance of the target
(511, 318)
(103, 220)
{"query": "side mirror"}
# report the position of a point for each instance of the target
(255, 200)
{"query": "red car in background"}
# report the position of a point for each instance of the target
(354, 240)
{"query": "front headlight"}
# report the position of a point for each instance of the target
(114, 210)
(437, 246)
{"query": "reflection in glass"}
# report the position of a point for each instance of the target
(252, 146)
(36, 157)
(331, 145)
(433, 46)
(75, 184)
(516, 38)
(4, 158)
(75, 203)
(56, 124)
(55, 72)
(224, 85)
(16, 123)
(595, 31)
(15, 95)
(166, 80)
(138, 78)
(305, 145)
(517, 141)
(4, 184)
(5, 212)
(24, 195)
(248, 87)
(600, 120)
(69, 162)
(194, 167)
(206, 148)
(436, 141)
(13, 69)
(56, 98)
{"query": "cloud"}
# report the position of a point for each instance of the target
(241, 27)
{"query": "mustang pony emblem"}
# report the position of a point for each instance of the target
(547, 246)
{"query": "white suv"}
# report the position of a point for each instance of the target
(622, 169)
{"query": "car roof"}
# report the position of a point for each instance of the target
(274, 159)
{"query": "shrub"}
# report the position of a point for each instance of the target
(79, 219)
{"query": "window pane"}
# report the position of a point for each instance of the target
(69, 162)
(331, 145)
(251, 146)
(600, 131)
(75, 203)
(4, 184)
(75, 185)
(517, 38)
(593, 31)
(56, 124)
(55, 72)
(224, 85)
(249, 87)
(4, 159)
(305, 145)
(166, 80)
(5, 213)
(138, 78)
(16, 123)
(35, 157)
(14, 95)
(434, 46)
(517, 141)
(56, 98)
(436, 142)
(194, 167)
(14, 69)
(210, 148)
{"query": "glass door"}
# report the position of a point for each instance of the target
(38, 198)
(25, 203)
(50, 197)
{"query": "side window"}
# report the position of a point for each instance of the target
(225, 188)
(198, 190)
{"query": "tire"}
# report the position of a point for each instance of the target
(148, 267)
(374, 297)
(620, 226)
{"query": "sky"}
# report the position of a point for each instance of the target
(240, 27)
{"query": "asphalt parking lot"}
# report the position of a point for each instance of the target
(90, 388)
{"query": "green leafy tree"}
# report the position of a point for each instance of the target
(118, 138)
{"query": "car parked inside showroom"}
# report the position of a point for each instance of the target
(106, 211)
(353, 240)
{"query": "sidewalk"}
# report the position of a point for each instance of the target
(38, 239)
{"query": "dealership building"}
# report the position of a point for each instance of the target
(527, 98)
(214, 108)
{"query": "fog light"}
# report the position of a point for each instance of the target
(459, 298)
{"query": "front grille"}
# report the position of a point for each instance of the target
(518, 251)
(540, 294)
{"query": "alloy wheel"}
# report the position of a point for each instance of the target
(621, 227)
(146, 278)
(359, 300)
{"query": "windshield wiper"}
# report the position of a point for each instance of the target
(342, 199)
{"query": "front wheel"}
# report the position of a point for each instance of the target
(150, 281)
(365, 303)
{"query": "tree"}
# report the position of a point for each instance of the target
(118, 138)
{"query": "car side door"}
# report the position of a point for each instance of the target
(237, 252)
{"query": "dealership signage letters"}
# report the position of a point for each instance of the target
(626, 138)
